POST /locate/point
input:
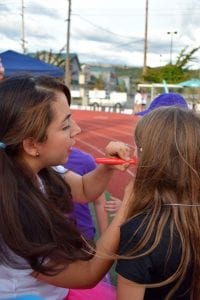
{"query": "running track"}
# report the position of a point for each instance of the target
(98, 128)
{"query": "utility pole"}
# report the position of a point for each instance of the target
(145, 38)
(23, 27)
(67, 60)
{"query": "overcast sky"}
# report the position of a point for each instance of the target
(103, 31)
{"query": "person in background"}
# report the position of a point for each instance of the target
(41, 250)
(144, 100)
(165, 99)
(137, 101)
(140, 101)
(160, 241)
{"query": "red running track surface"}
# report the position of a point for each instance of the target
(98, 129)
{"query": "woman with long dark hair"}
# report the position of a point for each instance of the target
(41, 251)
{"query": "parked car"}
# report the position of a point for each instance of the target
(115, 99)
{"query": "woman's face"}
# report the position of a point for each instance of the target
(61, 134)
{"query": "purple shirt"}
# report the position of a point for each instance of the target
(82, 163)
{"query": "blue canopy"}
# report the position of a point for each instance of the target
(15, 62)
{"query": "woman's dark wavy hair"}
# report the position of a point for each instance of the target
(34, 225)
(168, 172)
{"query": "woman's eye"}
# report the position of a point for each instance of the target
(66, 124)
(66, 127)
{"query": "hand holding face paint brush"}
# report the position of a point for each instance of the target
(121, 159)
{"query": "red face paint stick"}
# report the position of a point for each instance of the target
(114, 161)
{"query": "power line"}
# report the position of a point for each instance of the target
(101, 28)
(157, 11)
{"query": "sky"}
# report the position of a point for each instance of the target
(106, 31)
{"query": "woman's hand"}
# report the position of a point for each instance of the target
(118, 150)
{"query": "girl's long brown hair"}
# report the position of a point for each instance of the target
(168, 173)
(34, 224)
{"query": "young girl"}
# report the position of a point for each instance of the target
(160, 242)
(41, 251)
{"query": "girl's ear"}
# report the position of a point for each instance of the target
(30, 147)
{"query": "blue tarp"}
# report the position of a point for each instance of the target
(15, 62)
(192, 83)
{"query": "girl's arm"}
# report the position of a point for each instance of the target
(86, 274)
(90, 186)
(127, 289)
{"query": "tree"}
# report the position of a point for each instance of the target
(121, 86)
(173, 73)
(169, 73)
(99, 83)
(49, 57)
(185, 58)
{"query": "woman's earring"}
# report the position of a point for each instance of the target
(37, 154)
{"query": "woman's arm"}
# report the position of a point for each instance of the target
(127, 290)
(90, 186)
(86, 274)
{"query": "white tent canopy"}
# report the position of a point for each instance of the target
(154, 86)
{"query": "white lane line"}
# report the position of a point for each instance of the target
(90, 146)
(107, 137)
(107, 128)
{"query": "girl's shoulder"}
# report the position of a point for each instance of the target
(139, 220)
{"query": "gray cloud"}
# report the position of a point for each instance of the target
(39, 9)
(14, 33)
(110, 41)
(159, 46)
(99, 58)
(116, 44)
(4, 8)
(190, 19)
(40, 19)
(9, 31)
(40, 35)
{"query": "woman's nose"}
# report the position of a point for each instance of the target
(75, 129)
